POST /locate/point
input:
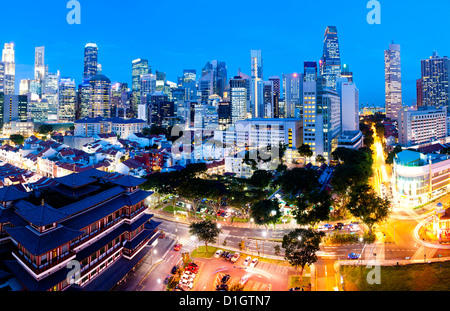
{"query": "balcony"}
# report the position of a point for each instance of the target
(44, 267)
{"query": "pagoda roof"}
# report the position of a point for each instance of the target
(11, 193)
(41, 215)
(74, 180)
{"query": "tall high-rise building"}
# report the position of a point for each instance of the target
(139, 67)
(238, 98)
(148, 86)
(67, 100)
(292, 93)
(13, 108)
(256, 88)
(216, 73)
(309, 71)
(50, 92)
(189, 84)
(330, 63)
(83, 100)
(268, 99)
(419, 92)
(435, 81)
(2, 77)
(346, 73)
(119, 99)
(276, 96)
(100, 97)
(39, 64)
(393, 81)
(321, 117)
(349, 95)
(90, 61)
(8, 58)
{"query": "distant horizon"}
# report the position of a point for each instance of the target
(133, 30)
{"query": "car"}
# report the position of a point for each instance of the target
(353, 256)
(225, 278)
(224, 254)
(328, 227)
(243, 280)
(188, 278)
(186, 283)
(254, 262)
(247, 261)
(218, 253)
(162, 234)
(295, 289)
(177, 247)
(174, 269)
(191, 269)
(338, 226)
(354, 228)
(229, 256)
(222, 287)
(235, 257)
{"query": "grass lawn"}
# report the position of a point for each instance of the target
(294, 281)
(200, 252)
(414, 277)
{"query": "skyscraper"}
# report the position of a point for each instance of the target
(256, 88)
(268, 98)
(435, 81)
(216, 72)
(90, 61)
(13, 108)
(189, 84)
(349, 96)
(393, 81)
(276, 95)
(330, 63)
(309, 71)
(419, 92)
(100, 96)
(292, 93)
(238, 98)
(139, 67)
(8, 58)
(39, 64)
(2, 77)
(67, 100)
(50, 93)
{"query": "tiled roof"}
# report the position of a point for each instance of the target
(41, 215)
(11, 194)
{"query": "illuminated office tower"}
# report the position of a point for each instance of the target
(256, 87)
(435, 81)
(83, 100)
(349, 95)
(13, 108)
(24, 86)
(50, 93)
(2, 77)
(276, 96)
(292, 93)
(90, 61)
(148, 86)
(330, 63)
(213, 80)
(321, 118)
(309, 71)
(8, 58)
(100, 97)
(39, 64)
(268, 98)
(189, 84)
(393, 81)
(139, 67)
(119, 99)
(238, 98)
(67, 100)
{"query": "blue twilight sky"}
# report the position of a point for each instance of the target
(176, 35)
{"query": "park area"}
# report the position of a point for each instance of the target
(413, 277)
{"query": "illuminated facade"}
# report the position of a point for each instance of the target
(90, 61)
(256, 88)
(435, 81)
(292, 93)
(8, 58)
(393, 81)
(67, 100)
(100, 99)
(139, 67)
(330, 63)
(419, 177)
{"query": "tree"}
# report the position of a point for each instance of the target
(45, 129)
(261, 179)
(265, 212)
(366, 205)
(391, 155)
(297, 180)
(380, 130)
(313, 207)
(241, 245)
(206, 231)
(320, 159)
(277, 250)
(17, 139)
(300, 247)
(305, 151)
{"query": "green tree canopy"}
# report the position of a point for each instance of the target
(17, 139)
(300, 246)
(206, 231)
(265, 212)
(45, 129)
(313, 207)
(297, 180)
(261, 179)
(366, 205)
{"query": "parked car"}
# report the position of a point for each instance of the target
(229, 256)
(247, 261)
(254, 262)
(162, 234)
(222, 287)
(243, 280)
(353, 256)
(177, 247)
(174, 269)
(235, 257)
(218, 253)
(225, 278)
(224, 254)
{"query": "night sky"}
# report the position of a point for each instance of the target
(177, 35)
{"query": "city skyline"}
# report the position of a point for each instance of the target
(361, 47)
